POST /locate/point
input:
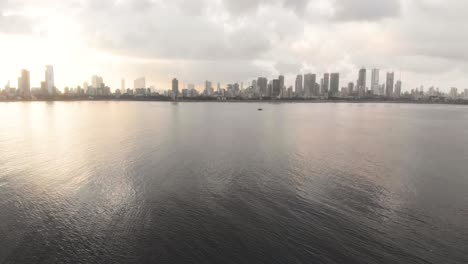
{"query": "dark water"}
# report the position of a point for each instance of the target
(129, 182)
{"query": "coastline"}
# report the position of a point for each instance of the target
(279, 101)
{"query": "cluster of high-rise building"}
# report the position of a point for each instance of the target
(306, 86)
(310, 85)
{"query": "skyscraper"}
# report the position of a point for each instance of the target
(398, 86)
(299, 85)
(49, 79)
(361, 83)
(175, 88)
(24, 85)
(309, 84)
(375, 81)
(281, 82)
(362, 78)
(263, 86)
(276, 88)
(255, 87)
(139, 83)
(326, 83)
(335, 84)
(123, 88)
(390, 83)
(97, 81)
(350, 88)
(208, 88)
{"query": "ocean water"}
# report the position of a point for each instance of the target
(151, 182)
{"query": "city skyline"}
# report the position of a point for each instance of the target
(234, 41)
(330, 82)
(305, 87)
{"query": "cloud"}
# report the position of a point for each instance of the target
(226, 39)
(15, 24)
(366, 10)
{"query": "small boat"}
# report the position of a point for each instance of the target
(260, 109)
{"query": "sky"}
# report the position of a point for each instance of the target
(423, 41)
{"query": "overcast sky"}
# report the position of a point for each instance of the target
(233, 40)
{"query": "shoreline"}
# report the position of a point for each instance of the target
(245, 101)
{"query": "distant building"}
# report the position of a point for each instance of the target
(361, 83)
(299, 85)
(269, 89)
(208, 88)
(175, 88)
(281, 82)
(389, 85)
(334, 83)
(276, 88)
(122, 86)
(262, 83)
(139, 83)
(85, 87)
(24, 84)
(325, 84)
(453, 93)
(49, 79)
(44, 88)
(255, 87)
(350, 88)
(97, 81)
(382, 89)
(397, 92)
(375, 79)
(309, 84)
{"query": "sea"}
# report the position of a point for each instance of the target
(208, 182)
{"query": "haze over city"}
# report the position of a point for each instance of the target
(231, 41)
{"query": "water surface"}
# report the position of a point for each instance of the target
(136, 182)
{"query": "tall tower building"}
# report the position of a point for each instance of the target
(123, 88)
(326, 83)
(281, 82)
(24, 84)
(276, 88)
(49, 79)
(85, 87)
(139, 83)
(361, 83)
(390, 83)
(262, 83)
(350, 88)
(335, 83)
(309, 83)
(362, 78)
(96, 81)
(398, 86)
(375, 79)
(254, 86)
(208, 88)
(299, 85)
(175, 87)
